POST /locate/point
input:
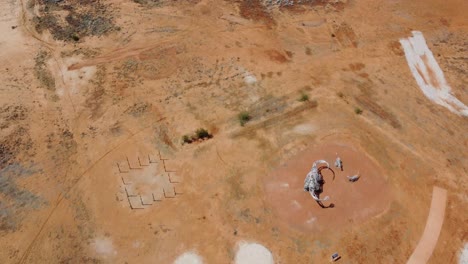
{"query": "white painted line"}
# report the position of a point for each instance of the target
(428, 241)
(429, 75)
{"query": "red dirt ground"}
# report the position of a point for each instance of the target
(70, 111)
(352, 202)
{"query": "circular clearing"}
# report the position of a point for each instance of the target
(253, 253)
(349, 202)
(189, 258)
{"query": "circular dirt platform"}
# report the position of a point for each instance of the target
(349, 202)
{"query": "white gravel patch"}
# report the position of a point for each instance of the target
(296, 204)
(189, 258)
(311, 220)
(304, 129)
(103, 246)
(136, 244)
(253, 253)
(463, 259)
(429, 75)
(249, 78)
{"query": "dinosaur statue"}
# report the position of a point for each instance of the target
(314, 181)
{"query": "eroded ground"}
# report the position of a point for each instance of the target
(96, 97)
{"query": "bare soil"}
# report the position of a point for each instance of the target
(350, 203)
(96, 96)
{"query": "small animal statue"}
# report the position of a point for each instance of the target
(338, 162)
(354, 178)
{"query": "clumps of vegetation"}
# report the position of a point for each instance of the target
(17, 143)
(244, 117)
(41, 71)
(86, 53)
(13, 112)
(75, 37)
(138, 109)
(200, 135)
(83, 18)
(304, 97)
(149, 3)
(357, 110)
(186, 139)
(378, 110)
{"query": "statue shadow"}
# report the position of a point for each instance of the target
(320, 203)
(331, 205)
(328, 168)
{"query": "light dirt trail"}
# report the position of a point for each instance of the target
(31, 32)
(50, 46)
(116, 55)
(428, 241)
(136, 50)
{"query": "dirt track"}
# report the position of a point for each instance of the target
(426, 245)
(95, 102)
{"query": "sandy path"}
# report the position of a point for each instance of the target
(116, 55)
(428, 241)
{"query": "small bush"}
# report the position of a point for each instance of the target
(186, 139)
(75, 37)
(244, 117)
(304, 97)
(358, 110)
(340, 94)
(202, 133)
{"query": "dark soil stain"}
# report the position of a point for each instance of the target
(15, 201)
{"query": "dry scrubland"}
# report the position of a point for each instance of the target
(102, 159)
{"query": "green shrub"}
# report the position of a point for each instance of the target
(202, 133)
(75, 37)
(304, 97)
(358, 110)
(244, 117)
(186, 139)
